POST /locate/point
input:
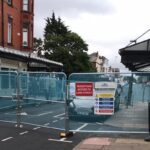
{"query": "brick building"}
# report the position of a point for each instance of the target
(16, 24)
(16, 38)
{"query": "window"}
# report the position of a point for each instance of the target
(10, 21)
(9, 2)
(4, 78)
(32, 6)
(25, 5)
(25, 36)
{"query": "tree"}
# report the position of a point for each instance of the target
(65, 46)
(38, 46)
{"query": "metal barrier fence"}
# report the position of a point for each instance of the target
(93, 102)
(32, 98)
(109, 102)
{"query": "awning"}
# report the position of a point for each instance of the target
(136, 57)
(27, 57)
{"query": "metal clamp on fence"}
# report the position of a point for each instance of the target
(16, 97)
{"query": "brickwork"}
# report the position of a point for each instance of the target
(19, 17)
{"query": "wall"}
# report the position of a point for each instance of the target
(19, 17)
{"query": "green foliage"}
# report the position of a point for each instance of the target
(128, 78)
(143, 79)
(38, 45)
(65, 46)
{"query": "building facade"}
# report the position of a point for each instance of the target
(100, 63)
(16, 38)
(16, 24)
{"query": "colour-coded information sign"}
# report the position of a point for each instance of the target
(84, 89)
(104, 106)
(104, 102)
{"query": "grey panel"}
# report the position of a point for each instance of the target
(138, 47)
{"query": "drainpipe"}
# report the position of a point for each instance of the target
(3, 23)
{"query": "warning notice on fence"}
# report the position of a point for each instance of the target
(105, 97)
(84, 89)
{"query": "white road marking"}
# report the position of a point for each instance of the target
(6, 139)
(61, 118)
(78, 129)
(54, 121)
(57, 140)
(99, 123)
(22, 133)
(46, 113)
(62, 139)
(36, 128)
(25, 114)
(10, 114)
(46, 124)
(59, 115)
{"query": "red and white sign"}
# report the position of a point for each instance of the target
(107, 111)
(84, 89)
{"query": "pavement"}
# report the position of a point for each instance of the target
(103, 143)
(134, 117)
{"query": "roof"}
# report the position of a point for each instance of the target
(26, 57)
(136, 57)
(93, 57)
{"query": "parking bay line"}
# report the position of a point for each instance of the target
(36, 128)
(61, 118)
(25, 114)
(46, 124)
(46, 113)
(6, 139)
(60, 140)
(57, 116)
(22, 133)
(54, 121)
(78, 129)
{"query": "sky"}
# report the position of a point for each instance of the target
(105, 25)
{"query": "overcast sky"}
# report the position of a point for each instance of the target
(105, 25)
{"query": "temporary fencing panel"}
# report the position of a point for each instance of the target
(36, 98)
(96, 102)
(109, 102)
(8, 86)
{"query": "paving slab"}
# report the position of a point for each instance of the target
(100, 143)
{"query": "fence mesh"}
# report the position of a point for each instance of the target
(118, 102)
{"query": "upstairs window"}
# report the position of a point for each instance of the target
(9, 2)
(10, 24)
(25, 5)
(25, 36)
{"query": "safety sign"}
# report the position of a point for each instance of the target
(104, 101)
(84, 88)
